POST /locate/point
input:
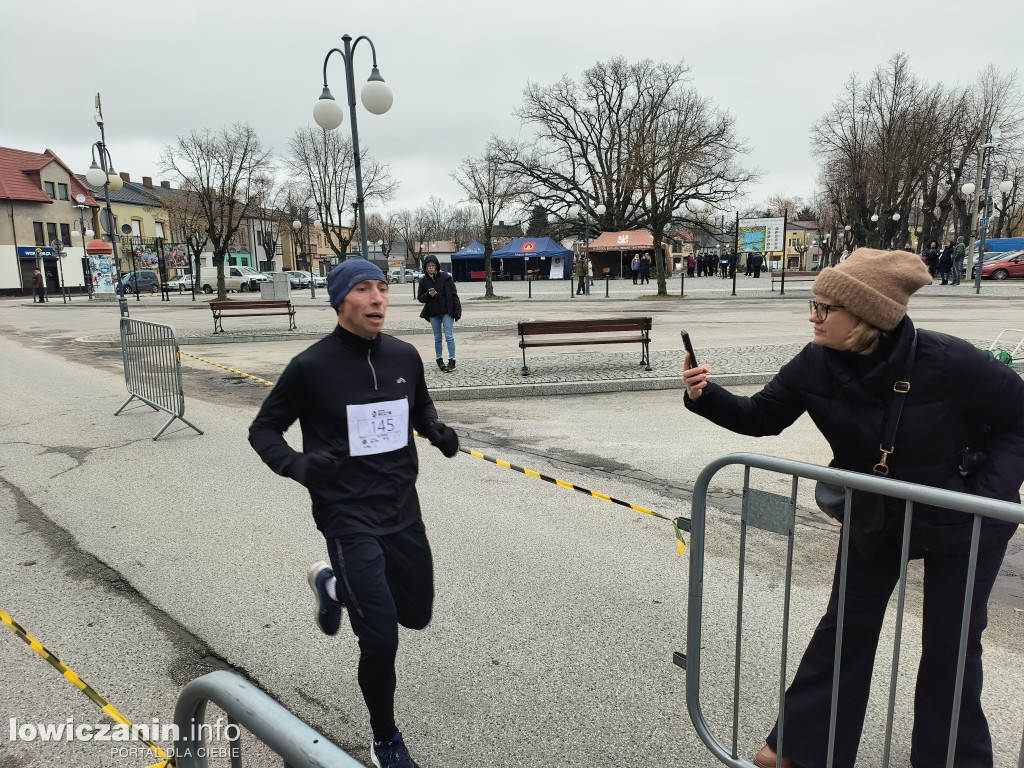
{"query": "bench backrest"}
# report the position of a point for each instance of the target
(604, 325)
(268, 304)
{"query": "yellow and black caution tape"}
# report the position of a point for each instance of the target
(81, 685)
(231, 370)
(680, 524)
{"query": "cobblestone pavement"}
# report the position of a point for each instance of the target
(746, 337)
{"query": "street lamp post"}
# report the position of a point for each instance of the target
(85, 235)
(297, 226)
(102, 174)
(968, 189)
(328, 114)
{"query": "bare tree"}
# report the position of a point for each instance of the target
(899, 149)
(464, 227)
(222, 172)
(491, 189)
(323, 161)
(636, 138)
(383, 228)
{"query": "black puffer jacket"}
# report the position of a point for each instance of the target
(957, 391)
(446, 301)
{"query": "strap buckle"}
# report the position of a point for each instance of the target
(881, 468)
(901, 387)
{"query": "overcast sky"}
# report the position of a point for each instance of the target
(457, 69)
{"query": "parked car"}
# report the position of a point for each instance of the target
(143, 280)
(300, 279)
(319, 281)
(183, 283)
(410, 275)
(1008, 265)
(241, 279)
(994, 256)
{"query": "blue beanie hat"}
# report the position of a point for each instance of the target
(348, 275)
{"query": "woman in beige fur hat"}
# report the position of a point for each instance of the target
(862, 344)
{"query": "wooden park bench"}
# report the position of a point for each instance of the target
(251, 309)
(794, 276)
(563, 333)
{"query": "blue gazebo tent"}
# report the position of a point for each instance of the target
(541, 256)
(472, 251)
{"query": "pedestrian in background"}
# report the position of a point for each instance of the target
(844, 380)
(634, 267)
(580, 270)
(931, 257)
(38, 287)
(357, 395)
(441, 308)
(645, 269)
(945, 262)
(959, 254)
(757, 260)
(691, 265)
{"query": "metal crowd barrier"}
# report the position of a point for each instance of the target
(775, 513)
(152, 369)
(268, 721)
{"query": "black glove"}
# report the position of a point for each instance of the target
(442, 437)
(309, 468)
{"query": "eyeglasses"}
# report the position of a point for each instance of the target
(822, 310)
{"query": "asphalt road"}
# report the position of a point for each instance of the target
(142, 564)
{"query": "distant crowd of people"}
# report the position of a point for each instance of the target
(946, 263)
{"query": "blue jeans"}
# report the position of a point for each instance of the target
(446, 322)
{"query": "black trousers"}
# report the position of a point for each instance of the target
(580, 285)
(870, 580)
(384, 581)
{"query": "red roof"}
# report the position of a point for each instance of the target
(632, 240)
(19, 177)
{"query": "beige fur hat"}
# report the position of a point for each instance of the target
(874, 285)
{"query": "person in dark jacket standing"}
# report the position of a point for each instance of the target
(959, 257)
(645, 269)
(756, 261)
(931, 257)
(844, 380)
(945, 262)
(580, 270)
(357, 394)
(441, 308)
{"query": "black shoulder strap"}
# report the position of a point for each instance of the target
(900, 390)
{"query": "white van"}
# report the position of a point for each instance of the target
(240, 279)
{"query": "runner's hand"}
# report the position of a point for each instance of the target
(442, 437)
(308, 468)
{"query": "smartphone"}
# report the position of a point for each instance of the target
(689, 348)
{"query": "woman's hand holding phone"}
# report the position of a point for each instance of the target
(695, 377)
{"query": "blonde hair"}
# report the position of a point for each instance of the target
(864, 338)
